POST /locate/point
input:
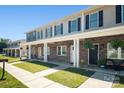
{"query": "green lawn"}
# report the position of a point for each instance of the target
(118, 82)
(10, 81)
(35, 66)
(71, 77)
(10, 59)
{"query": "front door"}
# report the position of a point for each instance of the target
(93, 55)
(72, 54)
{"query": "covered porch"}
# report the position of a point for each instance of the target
(79, 55)
(14, 52)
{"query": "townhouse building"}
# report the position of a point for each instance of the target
(14, 48)
(63, 39)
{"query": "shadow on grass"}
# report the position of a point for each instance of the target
(83, 72)
(42, 63)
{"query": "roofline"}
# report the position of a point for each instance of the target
(18, 40)
(66, 17)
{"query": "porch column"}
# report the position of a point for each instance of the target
(75, 57)
(45, 52)
(76, 53)
(29, 52)
(82, 22)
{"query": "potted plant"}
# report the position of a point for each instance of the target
(88, 44)
(101, 62)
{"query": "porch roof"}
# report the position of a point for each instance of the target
(82, 35)
(11, 48)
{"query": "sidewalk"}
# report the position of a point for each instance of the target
(31, 80)
(99, 80)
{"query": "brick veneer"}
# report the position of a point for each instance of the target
(102, 41)
(53, 52)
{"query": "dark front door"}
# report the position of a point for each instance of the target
(93, 55)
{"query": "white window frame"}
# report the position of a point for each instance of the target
(61, 54)
(59, 31)
(97, 19)
(119, 51)
(48, 32)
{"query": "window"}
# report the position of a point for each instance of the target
(119, 13)
(38, 35)
(58, 29)
(58, 50)
(48, 50)
(49, 32)
(115, 54)
(61, 51)
(74, 25)
(93, 20)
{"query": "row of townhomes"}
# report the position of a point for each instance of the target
(63, 40)
(14, 48)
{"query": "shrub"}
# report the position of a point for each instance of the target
(101, 61)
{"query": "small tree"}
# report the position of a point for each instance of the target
(3, 43)
(116, 43)
(88, 44)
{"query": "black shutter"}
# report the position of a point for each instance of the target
(79, 24)
(87, 21)
(100, 18)
(118, 13)
(69, 26)
(51, 31)
(61, 28)
(55, 30)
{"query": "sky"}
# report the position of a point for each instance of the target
(16, 20)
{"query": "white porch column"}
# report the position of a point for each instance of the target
(45, 52)
(78, 53)
(82, 22)
(29, 52)
(75, 53)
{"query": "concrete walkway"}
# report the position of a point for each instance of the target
(36, 80)
(31, 80)
(99, 80)
(50, 71)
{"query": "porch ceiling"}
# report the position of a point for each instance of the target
(82, 35)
